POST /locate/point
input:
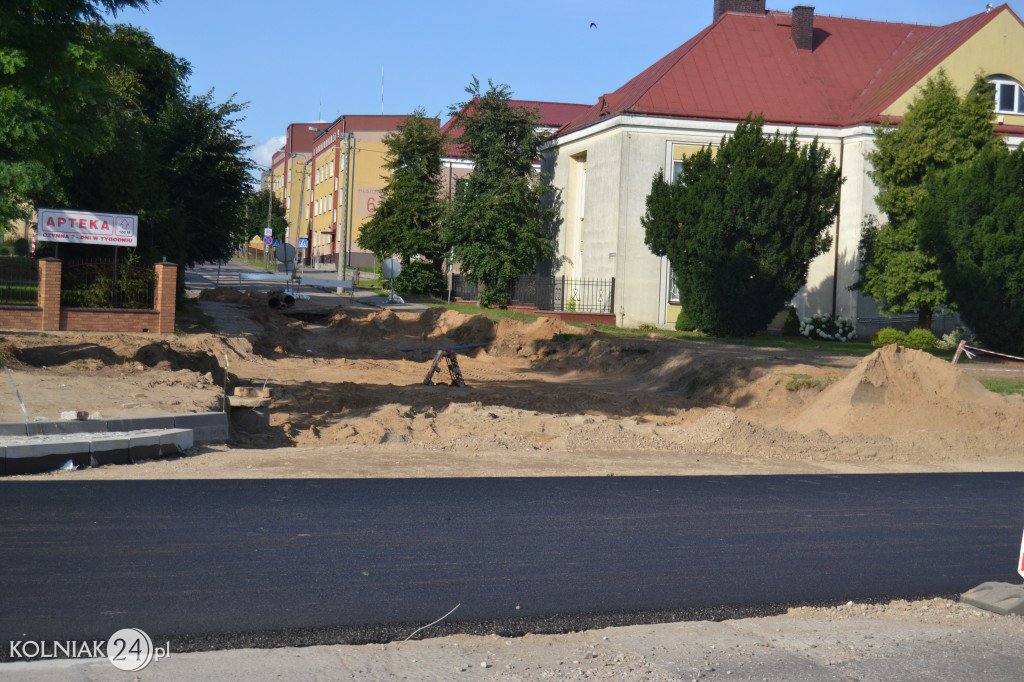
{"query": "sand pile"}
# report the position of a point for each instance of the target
(515, 338)
(229, 295)
(898, 389)
(432, 328)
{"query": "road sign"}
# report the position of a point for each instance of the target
(303, 243)
(285, 252)
(268, 232)
(277, 242)
(391, 269)
(268, 240)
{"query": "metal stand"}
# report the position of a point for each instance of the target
(453, 368)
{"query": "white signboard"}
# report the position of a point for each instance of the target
(83, 227)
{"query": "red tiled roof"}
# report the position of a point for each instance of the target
(359, 123)
(747, 63)
(549, 115)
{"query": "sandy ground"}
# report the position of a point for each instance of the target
(544, 399)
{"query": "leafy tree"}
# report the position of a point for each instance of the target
(203, 173)
(254, 222)
(972, 220)
(408, 218)
(497, 224)
(116, 174)
(740, 227)
(940, 130)
(52, 87)
(176, 160)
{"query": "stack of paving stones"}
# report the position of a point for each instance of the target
(30, 447)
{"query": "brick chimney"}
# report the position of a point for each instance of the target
(746, 6)
(803, 27)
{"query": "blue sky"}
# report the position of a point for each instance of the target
(309, 60)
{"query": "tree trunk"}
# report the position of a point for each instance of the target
(924, 318)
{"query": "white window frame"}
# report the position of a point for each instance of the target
(997, 83)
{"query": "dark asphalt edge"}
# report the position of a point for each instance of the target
(558, 624)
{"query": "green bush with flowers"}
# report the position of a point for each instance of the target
(828, 328)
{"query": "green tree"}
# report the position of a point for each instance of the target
(407, 221)
(497, 224)
(740, 227)
(117, 173)
(204, 174)
(254, 222)
(940, 130)
(177, 161)
(53, 85)
(972, 220)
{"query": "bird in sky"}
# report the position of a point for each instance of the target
(593, 25)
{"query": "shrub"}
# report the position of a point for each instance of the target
(887, 336)
(921, 338)
(791, 327)
(952, 340)
(419, 277)
(684, 323)
(828, 328)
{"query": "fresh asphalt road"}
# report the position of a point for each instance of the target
(188, 560)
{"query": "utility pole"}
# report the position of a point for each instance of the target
(346, 167)
(301, 208)
(270, 200)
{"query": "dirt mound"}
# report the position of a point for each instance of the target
(898, 389)
(515, 338)
(229, 295)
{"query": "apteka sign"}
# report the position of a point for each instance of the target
(83, 227)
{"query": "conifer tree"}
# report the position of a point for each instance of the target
(972, 220)
(741, 226)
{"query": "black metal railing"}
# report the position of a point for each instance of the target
(556, 294)
(19, 280)
(106, 284)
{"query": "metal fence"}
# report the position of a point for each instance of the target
(107, 284)
(19, 280)
(557, 294)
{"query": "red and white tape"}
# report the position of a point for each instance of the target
(966, 350)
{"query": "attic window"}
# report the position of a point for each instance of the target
(1008, 95)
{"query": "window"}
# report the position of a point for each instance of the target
(1008, 95)
(677, 168)
(673, 289)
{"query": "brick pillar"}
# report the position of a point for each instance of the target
(165, 297)
(49, 293)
